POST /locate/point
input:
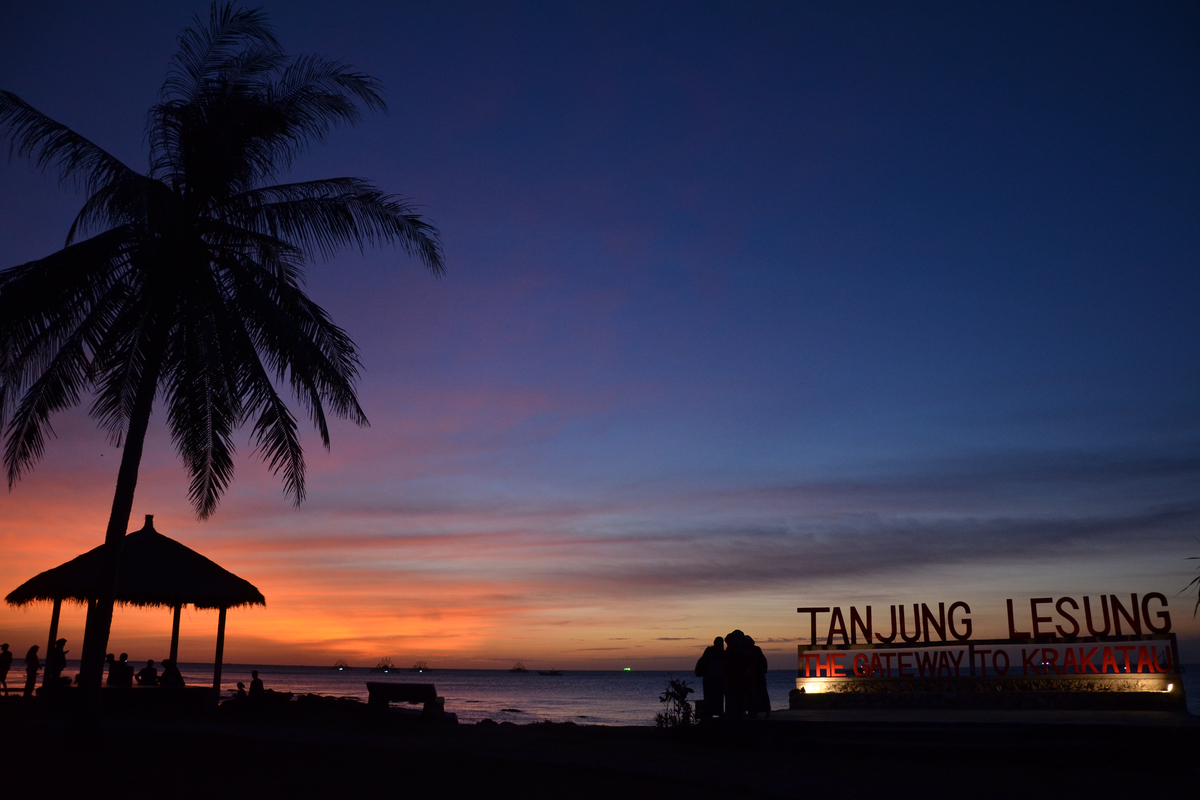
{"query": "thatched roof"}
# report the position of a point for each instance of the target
(155, 571)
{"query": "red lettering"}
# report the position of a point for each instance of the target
(1050, 660)
(862, 667)
(1119, 611)
(1164, 665)
(1125, 652)
(1107, 658)
(1030, 662)
(1069, 660)
(812, 616)
(1062, 601)
(996, 662)
(888, 658)
(1033, 612)
(900, 665)
(1145, 660)
(1085, 661)
(1087, 615)
(837, 627)
(983, 659)
(876, 665)
(1013, 633)
(810, 665)
(857, 622)
(944, 664)
(926, 661)
(836, 670)
(958, 662)
(966, 634)
(1163, 615)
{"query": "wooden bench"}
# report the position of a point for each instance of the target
(379, 695)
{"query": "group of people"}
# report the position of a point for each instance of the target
(56, 662)
(734, 677)
(120, 672)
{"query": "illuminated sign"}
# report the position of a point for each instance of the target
(1105, 644)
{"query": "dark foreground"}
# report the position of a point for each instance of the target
(341, 751)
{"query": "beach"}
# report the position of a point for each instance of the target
(333, 750)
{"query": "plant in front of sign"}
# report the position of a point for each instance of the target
(677, 712)
(1193, 582)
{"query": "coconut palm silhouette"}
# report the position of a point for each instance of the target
(183, 285)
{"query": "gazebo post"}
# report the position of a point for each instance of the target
(175, 636)
(53, 638)
(220, 655)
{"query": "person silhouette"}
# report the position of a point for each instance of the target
(760, 698)
(149, 675)
(56, 662)
(241, 691)
(113, 668)
(32, 665)
(5, 664)
(256, 685)
(171, 677)
(711, 669)
(124, 678)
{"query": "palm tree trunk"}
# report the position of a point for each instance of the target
(99, 618)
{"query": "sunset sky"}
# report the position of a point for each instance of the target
(748, 307)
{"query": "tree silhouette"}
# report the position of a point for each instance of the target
(184, 284)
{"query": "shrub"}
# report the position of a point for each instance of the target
(678, 712)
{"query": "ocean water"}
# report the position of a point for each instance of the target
(581, 696)
(585, 697)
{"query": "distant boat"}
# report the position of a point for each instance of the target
(421, 666)
(518, 667)
(549, 672)
(340, 665)
(385, 665)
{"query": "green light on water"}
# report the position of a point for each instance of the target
(627, 669)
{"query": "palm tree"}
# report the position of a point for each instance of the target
(184, 284)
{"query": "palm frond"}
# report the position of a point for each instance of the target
(323, 217)
(52, 145)
(206, 49)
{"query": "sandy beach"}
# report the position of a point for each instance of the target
(335, 751)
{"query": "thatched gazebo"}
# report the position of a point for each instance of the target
(156, 570)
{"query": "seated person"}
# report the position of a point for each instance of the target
(241, 691)
(171, 678)
(124, 677)
(149, 675)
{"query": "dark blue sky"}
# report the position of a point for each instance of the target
(775, 301)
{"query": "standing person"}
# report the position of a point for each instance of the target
(760, 698)
(5, 664)
(711, 668)
(32, 665)
(256, 685)
(738, 674)
(113, 669)
(56, 662)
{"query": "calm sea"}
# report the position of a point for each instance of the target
(581, 696)
(585, 697)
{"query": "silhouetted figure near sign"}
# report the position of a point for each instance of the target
(32, 665)
(257, 690)
(171, 677)
(56, 662)
(148, 675)
(5, 665)
(739, 674)
(711, 668)
(760, 698)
